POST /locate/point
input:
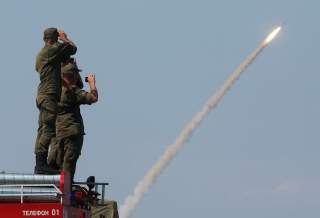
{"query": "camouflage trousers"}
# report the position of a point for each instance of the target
(47, 123)
(55, 156)
(65, 153)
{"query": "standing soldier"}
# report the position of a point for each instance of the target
(48, 65)
(70, 128)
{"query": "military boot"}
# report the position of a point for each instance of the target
(42, 166)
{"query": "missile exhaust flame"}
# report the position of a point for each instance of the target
(272, 35)
(144, 185)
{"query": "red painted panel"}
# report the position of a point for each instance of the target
(46, 210)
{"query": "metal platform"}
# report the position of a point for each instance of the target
(25, 188)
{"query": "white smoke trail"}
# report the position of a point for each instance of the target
(144, 185)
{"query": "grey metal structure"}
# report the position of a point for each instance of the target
(30, 193)
(30, 188)
(108, 210)
(11, 179)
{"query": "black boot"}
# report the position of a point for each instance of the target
(42, 166)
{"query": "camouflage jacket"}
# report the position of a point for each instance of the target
(69, 120)
(48, 65)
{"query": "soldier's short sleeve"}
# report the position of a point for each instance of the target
(82, 96)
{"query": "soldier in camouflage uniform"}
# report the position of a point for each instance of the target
(48, 65)
(55, 156)
(69, 124)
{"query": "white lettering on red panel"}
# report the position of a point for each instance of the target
(54, 212)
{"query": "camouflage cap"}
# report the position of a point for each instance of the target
(51, 33)
(70, 69)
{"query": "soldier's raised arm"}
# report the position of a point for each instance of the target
(55, 51)
(93, 87)
(65, 48)
(84, 97)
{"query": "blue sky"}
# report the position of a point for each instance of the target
(156, 64)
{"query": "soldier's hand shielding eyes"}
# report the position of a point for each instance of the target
(62, 34)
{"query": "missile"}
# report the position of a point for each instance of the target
(144, 185)
(271, 36)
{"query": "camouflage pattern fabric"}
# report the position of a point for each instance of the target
(71, 146)
(69, 120)
(47, 127)
(55, 157)
(48, 64)
(69, 129)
